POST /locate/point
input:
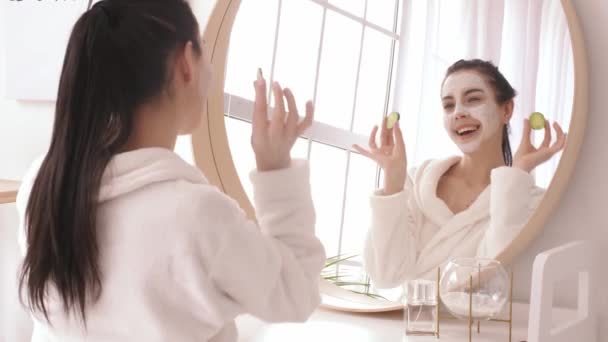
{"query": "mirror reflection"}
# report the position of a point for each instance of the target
(463, 168)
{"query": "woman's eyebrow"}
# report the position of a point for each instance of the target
(474, 90)
(469, 91)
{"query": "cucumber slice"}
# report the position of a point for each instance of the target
(392, 119)
(537, 120)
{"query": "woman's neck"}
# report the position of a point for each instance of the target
(153, 126)
(476, 168)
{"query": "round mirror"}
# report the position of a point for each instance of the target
(360, 60)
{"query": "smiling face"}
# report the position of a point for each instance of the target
(472, 116)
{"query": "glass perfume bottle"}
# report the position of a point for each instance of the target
(421, 307)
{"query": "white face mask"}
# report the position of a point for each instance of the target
(475, 114)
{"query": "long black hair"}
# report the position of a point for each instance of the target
(117, 58)
(503, 89)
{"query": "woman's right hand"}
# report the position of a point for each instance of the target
(273, 139)
(390, 156)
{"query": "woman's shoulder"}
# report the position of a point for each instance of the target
(204, 199)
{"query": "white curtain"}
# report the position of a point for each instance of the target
(555, 85)
(529, 42)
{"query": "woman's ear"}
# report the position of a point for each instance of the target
(508, 110)
(186, 62)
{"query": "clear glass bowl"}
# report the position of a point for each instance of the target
(490, 290)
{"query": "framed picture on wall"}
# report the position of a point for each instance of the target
(36, 35)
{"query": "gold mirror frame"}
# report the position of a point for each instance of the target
(212, 153)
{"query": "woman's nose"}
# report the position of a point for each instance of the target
(460, 115)
(460, 112)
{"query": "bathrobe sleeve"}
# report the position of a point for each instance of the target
(272, 270)
(392, 240)
(513, 198)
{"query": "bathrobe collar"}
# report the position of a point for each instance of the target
(130, 171)
(455, 229)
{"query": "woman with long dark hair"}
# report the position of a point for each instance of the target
(471, 205)
(122, 239)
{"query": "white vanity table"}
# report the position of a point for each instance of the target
(330, 325)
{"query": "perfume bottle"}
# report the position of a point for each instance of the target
(421, 307)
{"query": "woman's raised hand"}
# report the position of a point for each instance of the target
(390, 156)
(529, 157)
(272, 139)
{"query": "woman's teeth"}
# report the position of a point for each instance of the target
(467, 130)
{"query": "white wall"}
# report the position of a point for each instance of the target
(25, 130)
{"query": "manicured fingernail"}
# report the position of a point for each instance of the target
(260, 76)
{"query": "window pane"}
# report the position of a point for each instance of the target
(327, 178)
(373, 78)
(338, 70)
(300, 149)
(251, 46)
(381, 13)
(355, 7)
(297, 48)
(239, 139)
(361, 184)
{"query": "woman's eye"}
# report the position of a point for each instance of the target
(448, 106)
(474, 99)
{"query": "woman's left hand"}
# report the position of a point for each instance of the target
(529, 157)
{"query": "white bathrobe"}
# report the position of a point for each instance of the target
(413, 232)
(180, 261)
